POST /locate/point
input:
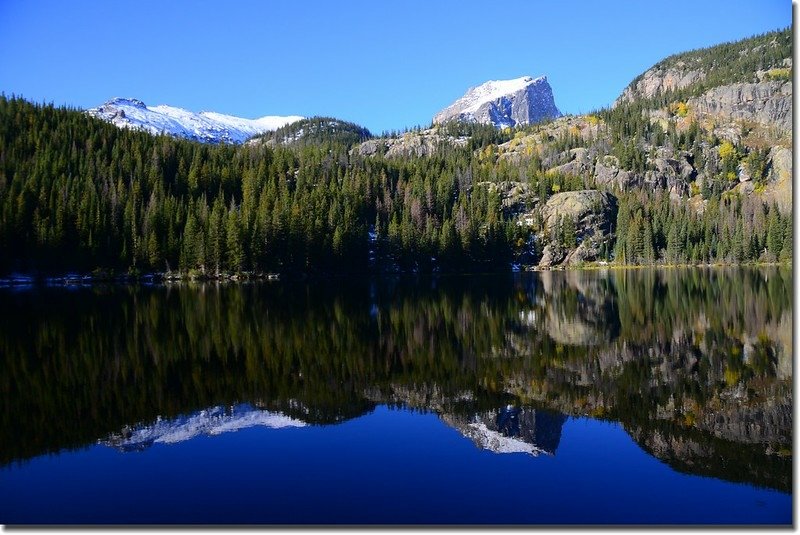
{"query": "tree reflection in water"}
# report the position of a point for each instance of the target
(696, 364)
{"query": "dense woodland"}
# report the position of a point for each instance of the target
(653, 228)
(79, 194)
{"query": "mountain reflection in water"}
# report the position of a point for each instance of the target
(695, 364)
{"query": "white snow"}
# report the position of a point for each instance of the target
(213, 421)
(499, 443)
(209, 127)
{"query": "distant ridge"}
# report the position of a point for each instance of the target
(206, 126)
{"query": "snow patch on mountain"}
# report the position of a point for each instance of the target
(210, 422)
(496, 442)
(206, 126)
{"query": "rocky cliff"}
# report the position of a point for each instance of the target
(750, 60)
(768, 103)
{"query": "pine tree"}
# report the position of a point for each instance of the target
(216, 235)
(568, 232)
(774, 233)
(233, 240)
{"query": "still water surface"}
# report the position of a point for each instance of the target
(630, 397)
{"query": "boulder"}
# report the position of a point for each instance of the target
(552, 255)
(594, 213)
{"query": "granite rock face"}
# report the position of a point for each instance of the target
(515, 196)
(607, 173)
(767, 103)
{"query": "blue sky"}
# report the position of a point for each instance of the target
(385, 65)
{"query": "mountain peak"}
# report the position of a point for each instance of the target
(206, 126)
(124, 101)
(504, 103)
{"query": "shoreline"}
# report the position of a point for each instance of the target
(612, 266)
(108, 277)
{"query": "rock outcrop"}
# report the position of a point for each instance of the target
(607, 173)
(580, 163)
(515, 197)
(659, 80)
(504, 103)
(593, 213)
(416, 144)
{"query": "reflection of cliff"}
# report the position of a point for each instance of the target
(699, 454)
(782, 335)
(578, 310)
(511, 429)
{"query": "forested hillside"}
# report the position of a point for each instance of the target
(78, 193)
(693, 164)
(316, 130)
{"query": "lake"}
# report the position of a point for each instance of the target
(639, 396)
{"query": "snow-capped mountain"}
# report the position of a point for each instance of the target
(206, 126)
(511, 430)
(504, 103)
(212, 421)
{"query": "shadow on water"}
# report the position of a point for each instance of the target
(695, 364)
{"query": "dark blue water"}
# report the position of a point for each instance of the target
(535, 399)
(390, 466)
